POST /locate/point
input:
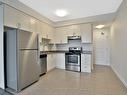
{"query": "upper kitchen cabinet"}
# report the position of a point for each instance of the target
(86, 33)
(73, 30)
(33, 24)
(47, 31)
(23, 21)
(60, 36)
(17, 19)
(50, 32)
(62, 33)
(39, 30)
(11, 17)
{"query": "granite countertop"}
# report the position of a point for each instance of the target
(53, 51)
(62, 51)
(87, 52)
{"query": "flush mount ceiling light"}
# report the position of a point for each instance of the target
(100, 26)
(61, 13)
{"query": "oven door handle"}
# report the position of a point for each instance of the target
(74, 55)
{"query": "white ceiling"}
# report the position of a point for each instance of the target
(76, 8)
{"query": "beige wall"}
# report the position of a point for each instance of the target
(119, 43)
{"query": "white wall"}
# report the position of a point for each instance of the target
(101, 46)
(1, 49)
(119, 43)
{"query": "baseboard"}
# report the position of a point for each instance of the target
(51, 70)
(102, 64)
(119, 76)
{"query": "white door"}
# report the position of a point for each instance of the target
(102, 46)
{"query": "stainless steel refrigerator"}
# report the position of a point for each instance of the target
(22, 55)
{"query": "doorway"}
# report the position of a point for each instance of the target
(101, 40)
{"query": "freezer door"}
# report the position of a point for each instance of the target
(28, 68)
(27, 40)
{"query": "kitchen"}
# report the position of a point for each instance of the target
(35, 47)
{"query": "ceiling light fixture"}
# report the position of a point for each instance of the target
(100, 26)
(61, 13)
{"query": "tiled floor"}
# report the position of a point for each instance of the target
(2, 92)
(102, 81)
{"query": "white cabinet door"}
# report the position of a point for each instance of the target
(33, 24)
(69, 30)
(39, 30)
(57, 37)
(60, 36)
(86, 62)
(24, 21)
(60, 60)
(27, 22)
(44, 30)
(86, 33)
(50, 32)
(11, 17)
(62, 33)
(47, 32)
(76, 30)
(50, 62)
(17, 19)
(73, 30)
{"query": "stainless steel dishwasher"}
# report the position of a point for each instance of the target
(43, 63)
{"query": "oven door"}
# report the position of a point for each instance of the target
(73, 59)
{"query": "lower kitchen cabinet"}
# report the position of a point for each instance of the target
(86, 62)
(50, 62)
(60, 60)
(55, 60)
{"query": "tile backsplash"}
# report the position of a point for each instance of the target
(45, 46)
(74, 43)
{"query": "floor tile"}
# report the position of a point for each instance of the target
(102, 81)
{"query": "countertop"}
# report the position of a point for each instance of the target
(87, 52)
(53, 51)
(62, 51)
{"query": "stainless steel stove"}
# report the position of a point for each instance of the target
(73, 59)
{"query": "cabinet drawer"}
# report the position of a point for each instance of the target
(85, 68)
